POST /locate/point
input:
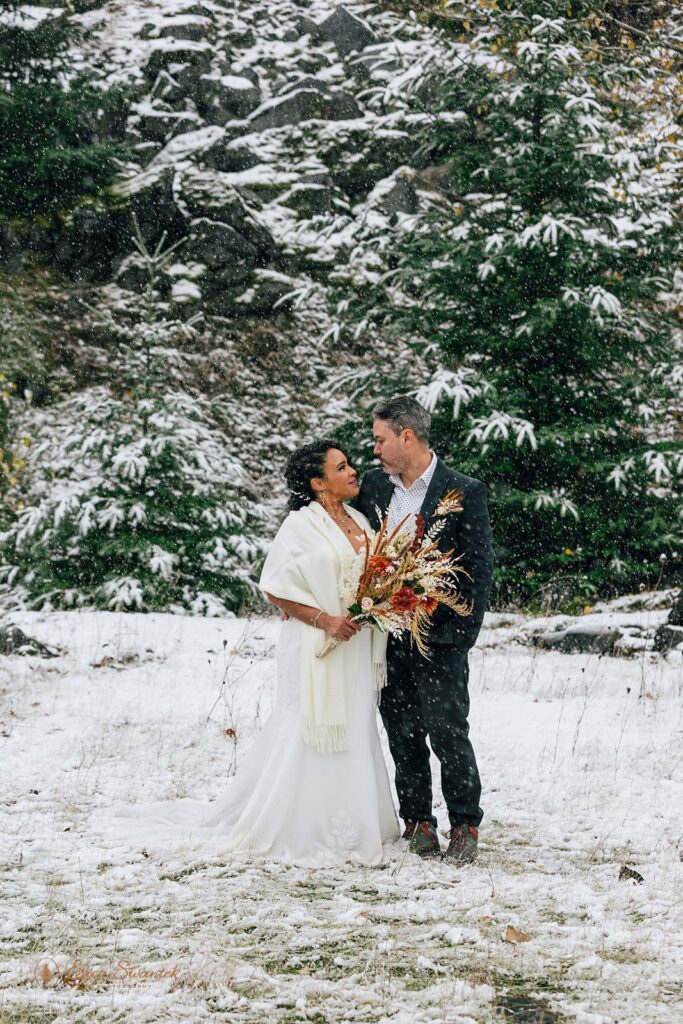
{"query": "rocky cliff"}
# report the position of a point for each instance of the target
(268, 141)
(266, 137)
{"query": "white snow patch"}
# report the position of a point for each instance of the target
(581, 764)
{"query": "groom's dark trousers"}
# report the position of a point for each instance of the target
(429, 699)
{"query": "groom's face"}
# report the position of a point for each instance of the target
(391, 449)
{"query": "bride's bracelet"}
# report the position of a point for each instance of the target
(315, 620)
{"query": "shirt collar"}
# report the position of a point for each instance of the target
(422, 482)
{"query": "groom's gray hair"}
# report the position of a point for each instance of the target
(401, 412)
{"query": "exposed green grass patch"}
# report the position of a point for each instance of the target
(373, 895)
(524, 1000)
(623, 955)
(191, 869)
(27, 1015)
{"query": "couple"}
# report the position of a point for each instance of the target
(313, 788)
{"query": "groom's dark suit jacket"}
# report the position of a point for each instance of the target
(468, 533)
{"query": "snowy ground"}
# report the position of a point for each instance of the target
(581, 758)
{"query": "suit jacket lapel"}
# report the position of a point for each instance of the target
(438, 486)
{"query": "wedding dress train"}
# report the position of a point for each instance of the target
(287, 800)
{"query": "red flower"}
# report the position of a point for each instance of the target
(420, 526)
(405, 600)
(430, 604)
(378, 563)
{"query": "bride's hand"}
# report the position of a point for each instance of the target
(338, 626)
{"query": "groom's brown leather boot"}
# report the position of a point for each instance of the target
(463, 845)
(424, 841)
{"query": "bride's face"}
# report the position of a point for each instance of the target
(340, 479)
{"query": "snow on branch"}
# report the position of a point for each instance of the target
(459, 385)
(502, 426)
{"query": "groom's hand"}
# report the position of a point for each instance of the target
(338, 626)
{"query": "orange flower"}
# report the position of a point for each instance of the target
(405, 600)
(430, 604)
(378, 563)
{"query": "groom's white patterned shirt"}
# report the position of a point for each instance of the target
(408, 500)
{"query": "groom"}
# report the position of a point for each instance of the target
(429, 698)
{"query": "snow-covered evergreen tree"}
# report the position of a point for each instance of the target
(12, 449)
(6, 459)
(134, 500)
(536, 281)
(51, 149)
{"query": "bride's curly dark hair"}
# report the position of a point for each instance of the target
(303, 464)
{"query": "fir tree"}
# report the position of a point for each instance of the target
(12, 449)
(537, 276)
(51, 150)
(135, 501)
(7, 478)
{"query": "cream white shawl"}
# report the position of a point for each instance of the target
(307, 562)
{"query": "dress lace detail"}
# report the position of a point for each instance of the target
(342, 837)
(349, 577)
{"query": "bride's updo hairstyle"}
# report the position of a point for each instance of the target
(302, 466)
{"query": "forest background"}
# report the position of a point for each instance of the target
(226, 228)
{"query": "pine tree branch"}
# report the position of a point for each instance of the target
(648, 35)
(677, 47)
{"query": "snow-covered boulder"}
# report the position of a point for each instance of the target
(360, 154)
(227, 154)
(669, 638)
(669, 635)
(176, 55)
(580, 639)
(304, 26)
(269, 292)
(168, 90)
(304, 104)
(154, 124)
(97, 236)
(312, 196)
(229, 260)
(185, 26)
(211, 196)
(221, 98)
(347, 32)
(150, 196)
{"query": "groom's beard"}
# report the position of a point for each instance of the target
(393, 469)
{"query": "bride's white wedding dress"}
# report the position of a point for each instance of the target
(289, 801)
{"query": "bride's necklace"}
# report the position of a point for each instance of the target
(347, 529)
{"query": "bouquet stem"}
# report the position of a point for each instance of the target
(330, 645)
(333, 643)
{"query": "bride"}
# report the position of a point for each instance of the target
(313, 788)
